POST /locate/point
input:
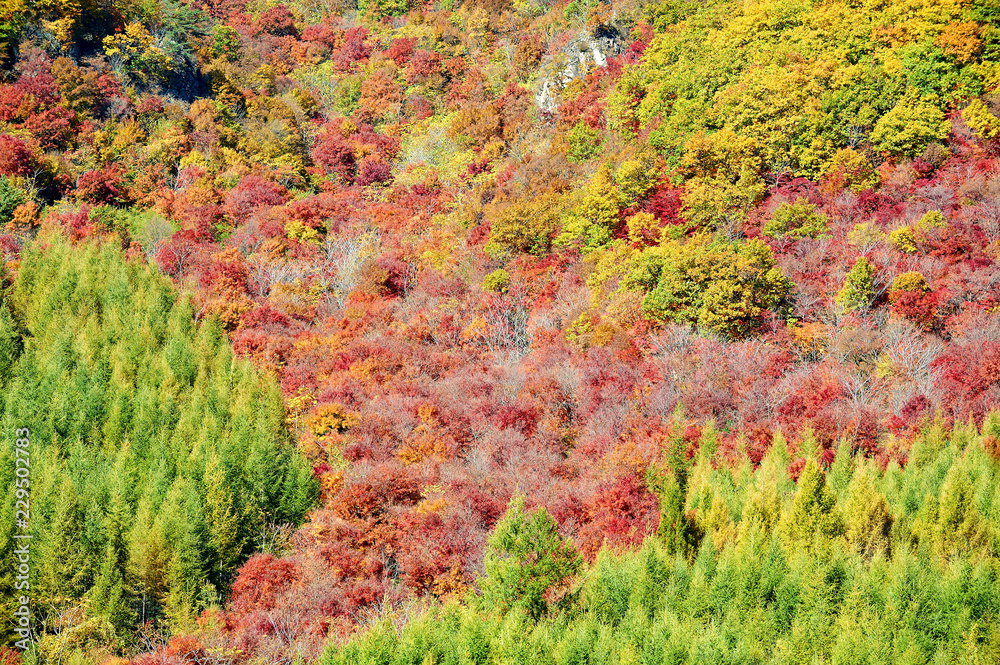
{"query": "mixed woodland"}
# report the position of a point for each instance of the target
(502, 331)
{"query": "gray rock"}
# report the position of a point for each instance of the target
(585, 53)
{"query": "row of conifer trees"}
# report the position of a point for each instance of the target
(849, 564)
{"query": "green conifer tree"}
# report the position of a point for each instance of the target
(813, 516)
(867, 518)
(10, 343)
(960, 525)
(525, 558)
(109, 598)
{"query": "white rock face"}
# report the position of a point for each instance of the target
(576, 60)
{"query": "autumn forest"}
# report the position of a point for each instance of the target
(386, 332)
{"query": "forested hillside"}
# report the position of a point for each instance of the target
(636, 263)
(159, 461)
(860, 565)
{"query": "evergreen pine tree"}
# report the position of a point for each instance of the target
(525, 558)
(960, 526)
(813, 515)
(678, 532)
(867, 518)
(109, 597)
(223, 516)
(10, 343)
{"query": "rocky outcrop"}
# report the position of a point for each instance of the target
(576, 60)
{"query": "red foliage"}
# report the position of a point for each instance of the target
(798, 188)
(187, 649)
(104, 186)
(795, 468)
(156, 658)
(320, 34)
(33, 103)
(398, 273)
(664, 203)
(959, 243)
(587, 106)
(253, 194)
(435, 546)
(816, 392)
(354, 49)
(278, 21)
(260, 581)
(265, 315)
(108, 86)
(336, 155)
(371, 500)
(816, 404)
(882, 206)
(10, 247)
(484, 507)
(425, 68)
(373, 171)
(221, 9)
(917, 306)
(418, 107)
(177, 257)
(969, 379)
(392, 320)
(265, 346)
(198, 215)
(477, 168)
(400, 50)
(149, 105)
(621, 514)
(468, 90)
(645, 36)
(77, 224)
(922, 168)
(318, 212)
(27, 96)
(386, 146)
(863, 429)
(16, 157)
(53, 127)
(915, 409)
(226, 276)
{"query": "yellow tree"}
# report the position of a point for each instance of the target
(598, 215)
(724, 288)
(726, 179)
(813, 516)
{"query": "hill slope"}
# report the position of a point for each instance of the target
(493, 248)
